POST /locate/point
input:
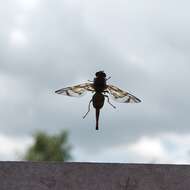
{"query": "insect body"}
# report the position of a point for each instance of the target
(98, 98)
(99, 88)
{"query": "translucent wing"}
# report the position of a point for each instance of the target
(121, 96)
(76, 91)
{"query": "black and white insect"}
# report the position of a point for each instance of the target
(100, 89)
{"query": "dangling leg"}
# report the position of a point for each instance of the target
(88, 109)
(109, 101)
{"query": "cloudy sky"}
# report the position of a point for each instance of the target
(143, 45)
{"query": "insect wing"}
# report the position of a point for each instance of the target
(121, 96)
(76, 91)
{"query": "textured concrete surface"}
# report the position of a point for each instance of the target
(92, 176)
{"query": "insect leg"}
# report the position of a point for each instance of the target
(108, 78)
(105, 91)
(88, 109)
(109, 101)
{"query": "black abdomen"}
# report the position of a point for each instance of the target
(98, 100)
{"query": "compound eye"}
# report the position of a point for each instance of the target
(104, 75)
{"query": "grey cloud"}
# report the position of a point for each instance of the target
(135, 44)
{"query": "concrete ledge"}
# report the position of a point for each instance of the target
(92, 176)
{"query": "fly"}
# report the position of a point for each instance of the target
(100, 88)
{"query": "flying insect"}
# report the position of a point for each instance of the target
(101, 90)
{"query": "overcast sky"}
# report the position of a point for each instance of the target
(143, 45)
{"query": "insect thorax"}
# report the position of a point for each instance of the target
(99, 84)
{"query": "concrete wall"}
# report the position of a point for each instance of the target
(92, 176)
